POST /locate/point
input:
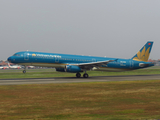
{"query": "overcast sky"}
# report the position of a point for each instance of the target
(112, 28)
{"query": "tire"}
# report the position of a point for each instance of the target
(24, 71)
(85, 75)
(78, 75)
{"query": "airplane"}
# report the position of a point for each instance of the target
(31, 67)
(3, 67)
(79, 63)
(14, 66)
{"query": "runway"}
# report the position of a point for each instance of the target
(77, 80)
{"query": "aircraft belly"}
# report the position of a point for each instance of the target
(45, 65)
(111, 69)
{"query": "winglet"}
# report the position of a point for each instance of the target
(144, 53)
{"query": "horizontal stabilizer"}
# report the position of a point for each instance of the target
(145, 65)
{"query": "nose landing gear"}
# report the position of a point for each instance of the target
(24, 71)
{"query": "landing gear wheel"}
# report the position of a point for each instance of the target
(24, 71)
(85, 75)
(78, 75)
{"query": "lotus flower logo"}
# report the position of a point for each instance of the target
(143, 55)
(33, 54)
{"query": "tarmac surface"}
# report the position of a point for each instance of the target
(77, 80)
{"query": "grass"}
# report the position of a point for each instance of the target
(49, 73)
(90, 101)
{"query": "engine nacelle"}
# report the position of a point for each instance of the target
(73, 69)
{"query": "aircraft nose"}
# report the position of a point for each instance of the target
(9, 59)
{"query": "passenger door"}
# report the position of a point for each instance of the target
(26, 56)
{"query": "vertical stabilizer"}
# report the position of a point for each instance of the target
(144, 53)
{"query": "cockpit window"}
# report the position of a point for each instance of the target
(16, 55)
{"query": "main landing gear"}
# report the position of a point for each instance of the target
(78, 75)
(85, 75)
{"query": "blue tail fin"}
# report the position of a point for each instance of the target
(144, 53)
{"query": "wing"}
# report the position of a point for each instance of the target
(90, 65)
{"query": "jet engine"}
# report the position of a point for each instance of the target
(73, 69)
